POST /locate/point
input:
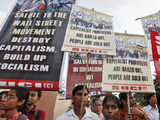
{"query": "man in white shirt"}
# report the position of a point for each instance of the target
(79, 110)
(151, 109)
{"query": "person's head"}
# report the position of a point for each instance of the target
(96, 105)
(123, 99)
(77, 94)
(3, 99)
(3, 94)
(110, 106)
(152, 100)
(34, 97)
(16, 97)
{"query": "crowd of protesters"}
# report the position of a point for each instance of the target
(110, 107)
(20, 104)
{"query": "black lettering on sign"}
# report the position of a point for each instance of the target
(80, 35)
(88, 42)
(117, 68)
(126, 77)
(114, 77)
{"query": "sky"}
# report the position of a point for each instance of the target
(124, 12)
(6, 6)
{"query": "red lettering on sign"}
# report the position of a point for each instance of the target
(129, 88)
(75, 49)
(115, 87)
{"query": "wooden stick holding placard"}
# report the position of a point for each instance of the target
(129, 108)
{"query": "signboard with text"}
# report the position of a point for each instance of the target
(130, 69)
(151, 22)
(89, 31)
(30, 44)
(77, 73)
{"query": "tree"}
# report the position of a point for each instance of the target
(140, 97)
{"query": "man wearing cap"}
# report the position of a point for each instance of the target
(151, 109)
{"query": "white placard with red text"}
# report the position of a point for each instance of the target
(89, 31)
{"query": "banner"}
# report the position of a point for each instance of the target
(77, 73)
(31, 41)
(155, 39)
(89, 31)
(130, 69)
(151, 22)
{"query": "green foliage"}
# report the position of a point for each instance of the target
(140, 97)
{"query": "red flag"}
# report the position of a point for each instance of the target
(155, 41)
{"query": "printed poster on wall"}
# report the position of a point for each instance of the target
(155, 39)
(150, 22)
(89, 31)
(130, 69)
(31, 42)
(77, 73)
